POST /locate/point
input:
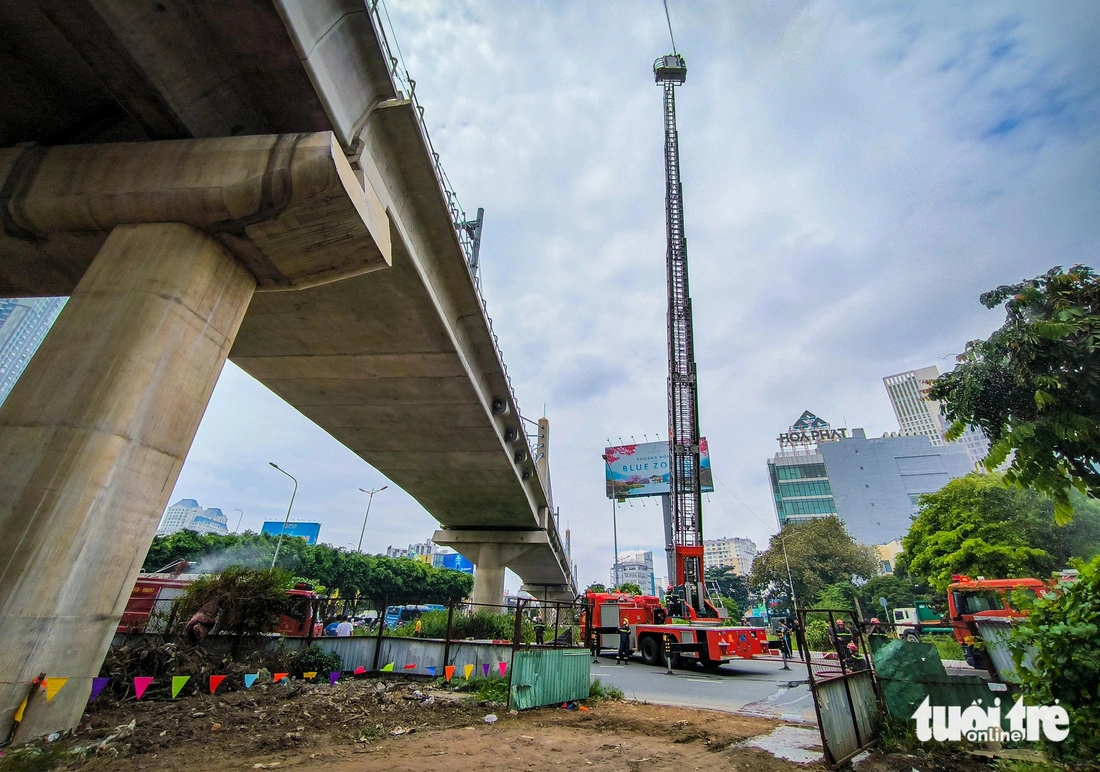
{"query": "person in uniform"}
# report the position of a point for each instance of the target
(624, 644)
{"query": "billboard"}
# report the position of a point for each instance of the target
(639, 470)
(307, 531)
(453, 561)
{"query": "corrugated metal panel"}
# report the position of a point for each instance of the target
(995, 632)
(549, 676)
(837, 727)
(355, 651)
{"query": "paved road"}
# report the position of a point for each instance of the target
(755, 687)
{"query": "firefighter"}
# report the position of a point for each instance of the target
(624, 644)
(540, 631)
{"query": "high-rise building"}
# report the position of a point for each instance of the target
(636, 566)
(24, 322)
(423, 551)
(917, 414)
(187, 515)
(872, 485)
(731, 552)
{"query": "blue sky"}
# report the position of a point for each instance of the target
(855, 175)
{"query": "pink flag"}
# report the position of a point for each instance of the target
(503, 667)
(360, 670)
(141, 683)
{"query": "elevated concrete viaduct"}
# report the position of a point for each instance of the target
(209, 179)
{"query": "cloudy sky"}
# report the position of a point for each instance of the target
(855, 175)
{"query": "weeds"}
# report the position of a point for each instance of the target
(599, 691)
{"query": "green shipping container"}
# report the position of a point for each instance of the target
(549, 677)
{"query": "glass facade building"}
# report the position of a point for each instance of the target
(24, 323)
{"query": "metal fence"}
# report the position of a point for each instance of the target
(845, 692)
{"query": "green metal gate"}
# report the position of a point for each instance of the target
(548, 677)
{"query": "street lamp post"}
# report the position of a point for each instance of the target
(239, 519)
(286, 520)
(370, 498)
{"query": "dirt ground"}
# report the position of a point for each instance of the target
(373, 724)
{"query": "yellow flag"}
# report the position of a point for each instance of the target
(310, 675)
(53, 686)
(469, 669)
(19, 713)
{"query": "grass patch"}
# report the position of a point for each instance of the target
(946, 645)
(480, 689)
(601, 691)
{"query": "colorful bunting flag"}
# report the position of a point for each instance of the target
(19, 711)
(431, 671)
(503, 667)
(411, 666)
(361, 670)
(249, 679)
(333, 677)
(141, 683)
(177, 683)
(448, 671)
(485, 669)
(388, 668)
(98, 684)
(310, 675)
(469, 669)
(280, 676)
(215, 682)
(53, 685)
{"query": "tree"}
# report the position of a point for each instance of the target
(976, 525)
(820, 552)
(596, 587)
(730, 584)
(1061, 639)
(732, 607)
(898, 591)
(630, 588)
(1034, 386)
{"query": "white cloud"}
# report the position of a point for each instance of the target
(854, 176)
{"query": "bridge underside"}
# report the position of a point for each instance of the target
(296, 225)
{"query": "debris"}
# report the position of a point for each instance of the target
(215, 726)
(491, 718)
(53, 736)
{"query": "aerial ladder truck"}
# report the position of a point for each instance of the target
(684, 626)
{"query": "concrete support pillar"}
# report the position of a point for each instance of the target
(92, 439)
(488, 576)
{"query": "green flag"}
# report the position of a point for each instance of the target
(388, 668)
(177, 683)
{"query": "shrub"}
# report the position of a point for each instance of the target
(1062, 634)
(817, 635)
(599, 691)
(314, 659)
(946, 645)
(483, 625)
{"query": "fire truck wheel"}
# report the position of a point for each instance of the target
(912, 637)
(651, 651)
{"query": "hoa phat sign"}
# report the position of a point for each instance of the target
(809, 430)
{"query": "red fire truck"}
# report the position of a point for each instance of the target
(149, 609)
(698, 640)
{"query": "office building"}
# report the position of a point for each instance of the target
(24, 322)
(187, 515)
(888, 555)
(917, 414)
(872, 485)
(636, 567)
(423, 551)
(731, 552)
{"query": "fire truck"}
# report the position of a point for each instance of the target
(150, 607)
(969, 601)
(698, 639)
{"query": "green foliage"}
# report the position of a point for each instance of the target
(898, 591)
(974, 525)
(1062, 631)
(630, 588)
(482, 625)
(598, 690)
(837, 596)
(1034, 386)
(314, 659)
(820, 552)
(352, 575)
(732, 609)
(597, 587)
(817, 635)
(250, 600)
(730, 584)
(482, 689)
